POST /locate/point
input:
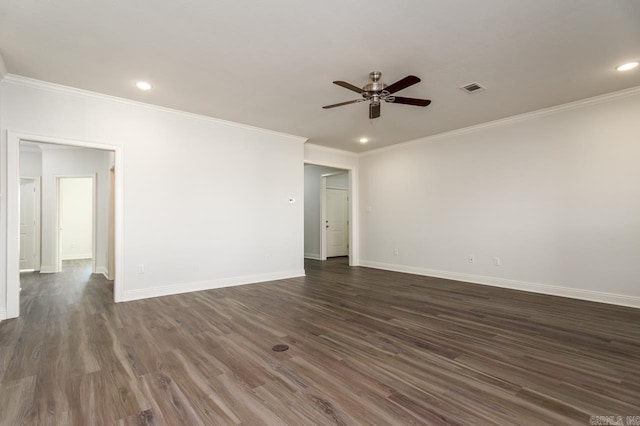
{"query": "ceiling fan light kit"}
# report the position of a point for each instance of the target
(376, 91)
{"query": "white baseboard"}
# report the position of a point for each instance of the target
(102, 270)
(27, 270)
(553, 290)
(313, 256)
(78, 257)
(3, 314)
(146, 293)
(44, 269)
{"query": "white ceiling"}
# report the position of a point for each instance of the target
(271, 63)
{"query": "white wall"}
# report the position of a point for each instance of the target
(312, 207)
(185, 220)
(76, 218)
(555, 195)
(30, 163)
(323, 156)
(74, 162)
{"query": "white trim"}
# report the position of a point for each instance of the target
(3, 314)
(81, 257)
(13, 227)
(46, 269)
(27, 270)
(102, 270)
(312, 256)
(19, 80)
(13, 214)
(336, 151)
(553, 290)
(167, 290)
(583, 103)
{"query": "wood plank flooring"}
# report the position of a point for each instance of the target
(366, 347)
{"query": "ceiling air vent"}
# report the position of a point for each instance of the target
(473, 87)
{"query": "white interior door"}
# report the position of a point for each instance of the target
(27, 224)
(337, 222)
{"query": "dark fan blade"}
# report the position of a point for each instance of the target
(342, 103)
(349, 86)
(409, 80)
(374, 110)
(410, 101)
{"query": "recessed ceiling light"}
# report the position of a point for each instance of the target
(628, 66)
(364, 140)
(143, 85)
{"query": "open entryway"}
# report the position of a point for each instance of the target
(76, 220)
(327, 212)
(67, 218)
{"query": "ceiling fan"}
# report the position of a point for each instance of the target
(376, 91)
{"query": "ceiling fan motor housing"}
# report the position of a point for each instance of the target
(375, 85)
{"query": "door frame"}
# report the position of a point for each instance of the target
(37, 180)
(13, 213)
(94, 220)
(111, 267)
(323, 213)
(354, 244)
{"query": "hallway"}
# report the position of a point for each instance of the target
(70, 291)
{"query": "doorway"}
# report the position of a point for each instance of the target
(76, 197)
(29, 224)
(111, 269)
(327, 212)
(49, 167)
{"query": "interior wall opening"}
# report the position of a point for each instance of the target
(77, 220)
(67, 213)
(327, 212)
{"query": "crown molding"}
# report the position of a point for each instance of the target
(330, 150)
(583, 103)
(19, 80)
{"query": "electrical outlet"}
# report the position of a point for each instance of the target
(496, 261)
(472, 258)
(141, 268)
(396, 252)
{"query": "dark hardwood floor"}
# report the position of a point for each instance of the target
(366, 347)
